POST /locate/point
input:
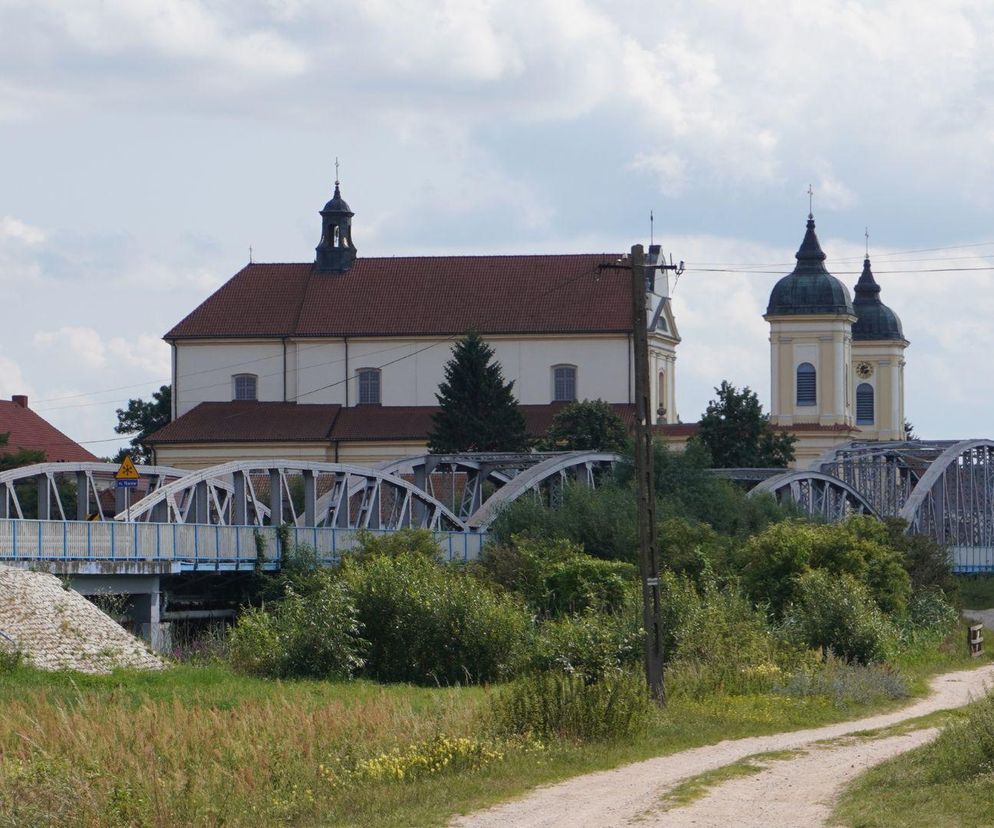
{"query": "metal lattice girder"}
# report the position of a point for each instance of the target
(85, 475)
(553, 472)
(816, 494)
(953, 501)
(254, 492)
(885, 473)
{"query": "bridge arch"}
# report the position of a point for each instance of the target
(252, 492)
(86, 476)
(817, 494)
(581, 466)
(953, 501)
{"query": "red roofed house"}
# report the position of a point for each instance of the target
(26, 430)
(341, 358)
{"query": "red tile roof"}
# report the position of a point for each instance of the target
(29, 431)
(420, 296)
(289, 422)
(249, 422)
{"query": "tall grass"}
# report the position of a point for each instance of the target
(95, 759)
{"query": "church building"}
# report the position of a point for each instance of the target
(837, 364)
(339, 359)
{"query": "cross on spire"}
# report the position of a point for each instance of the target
(867, 234)
(811, 195)
(336, 171)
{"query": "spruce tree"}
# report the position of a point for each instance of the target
(479, 412)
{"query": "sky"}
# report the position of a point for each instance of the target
(146, 145)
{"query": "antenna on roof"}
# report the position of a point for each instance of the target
(650, 227)
(250, 254)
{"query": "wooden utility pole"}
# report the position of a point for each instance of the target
(645, 485)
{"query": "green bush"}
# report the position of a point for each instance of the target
(561, 705)
(315, 635)
(590, 645)
(930, 616)
(773, 561)
(431, 623)
(723, 644)
(602, 521)
(927, 562)
(836, 614)
(695, 550)
(402, 542)
(555, 576)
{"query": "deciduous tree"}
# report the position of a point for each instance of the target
(591, 425)
(739, 435)
(142, 418)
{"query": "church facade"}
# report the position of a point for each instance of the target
(340, 359)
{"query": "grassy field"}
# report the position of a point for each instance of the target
(977, 591)
(199, 745)
(945, 784)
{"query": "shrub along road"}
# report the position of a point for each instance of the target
(792, 790)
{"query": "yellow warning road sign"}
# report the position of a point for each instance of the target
(127, 470)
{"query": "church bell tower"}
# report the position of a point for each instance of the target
(335, 252)
(810, 315)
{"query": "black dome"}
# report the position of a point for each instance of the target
(874, 320)
(810, 289)
(337, 204)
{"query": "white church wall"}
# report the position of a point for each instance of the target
(204, 370)
(323, 371)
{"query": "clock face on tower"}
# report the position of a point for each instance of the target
(864, 370)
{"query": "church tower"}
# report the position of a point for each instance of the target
(811, 316)
(335, 251)
(878, 363)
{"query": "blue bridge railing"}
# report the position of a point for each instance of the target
(191, 545)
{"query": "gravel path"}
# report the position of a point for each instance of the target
(790, 792)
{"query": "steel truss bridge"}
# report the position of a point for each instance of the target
(942, 489)
(223, 515)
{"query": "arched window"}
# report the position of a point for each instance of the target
(369, 386)
(563, 383)
(244, 386)
(806, 384)
(864, 404)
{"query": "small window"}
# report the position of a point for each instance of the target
(806, 384)
(564, 383)
(369, 386)
(864, 404)
(245, 386)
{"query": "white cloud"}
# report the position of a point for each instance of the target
(12, 379)
(16, 230)
(74, 345)
(669, 169)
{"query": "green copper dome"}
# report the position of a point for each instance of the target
(874, 320)
(810, 289)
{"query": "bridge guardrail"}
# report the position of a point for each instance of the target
(190, 544)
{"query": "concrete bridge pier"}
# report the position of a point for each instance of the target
(141, 612)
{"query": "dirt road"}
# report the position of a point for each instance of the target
(789, 792)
